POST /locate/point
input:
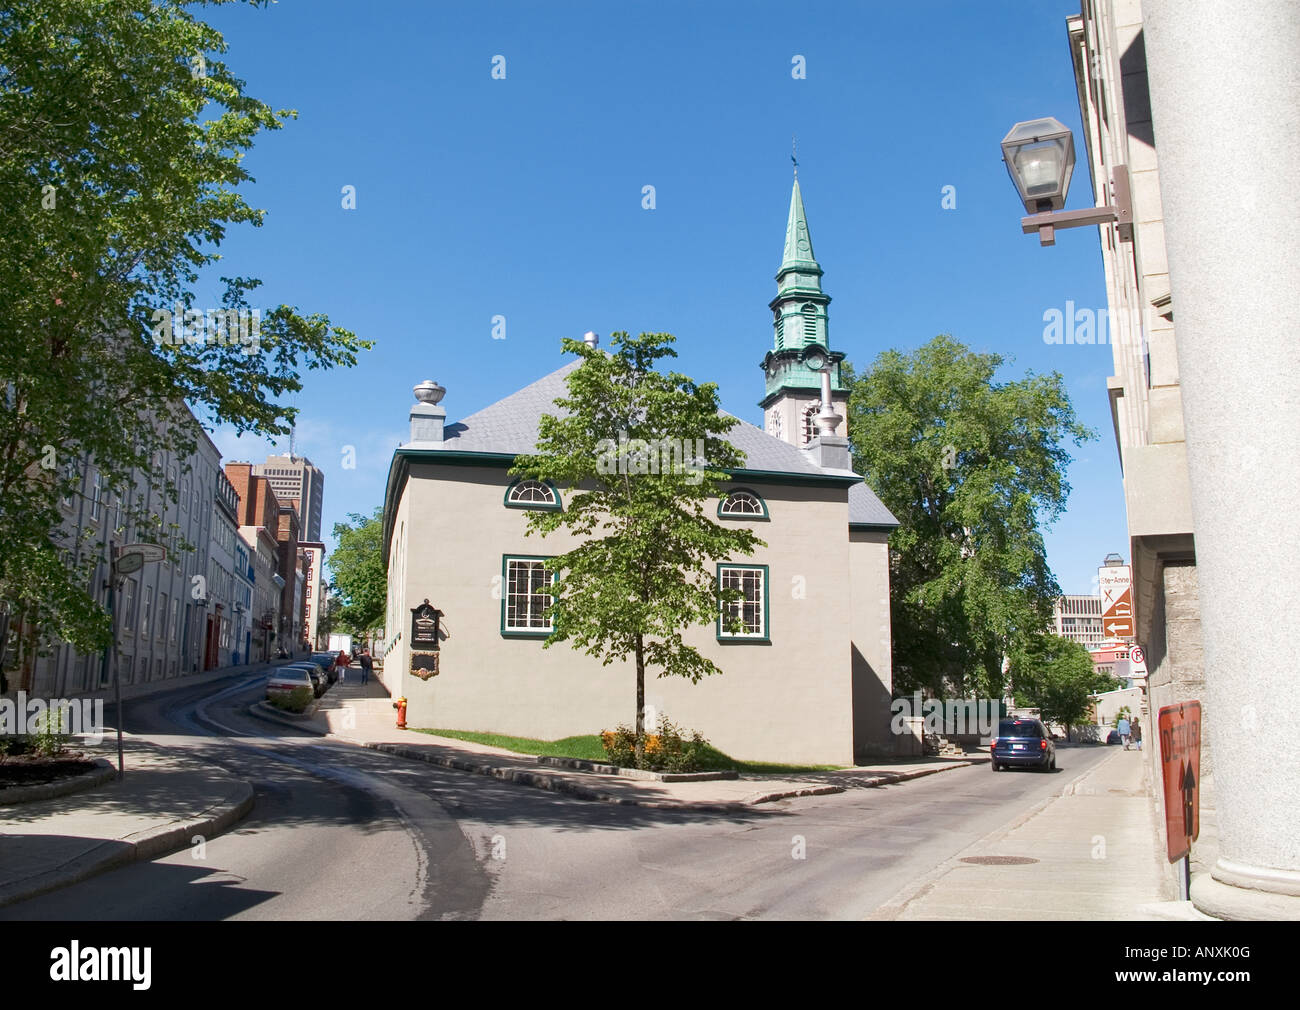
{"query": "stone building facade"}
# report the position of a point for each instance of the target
(1199, 99)
(160, 616)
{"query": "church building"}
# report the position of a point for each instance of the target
(807, 681)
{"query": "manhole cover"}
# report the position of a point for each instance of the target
(999, 860)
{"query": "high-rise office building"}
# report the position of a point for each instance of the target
(295, 479)
(1079, 619)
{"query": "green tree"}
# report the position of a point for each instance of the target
(1056, 676)
(122, 137)
(644, 571)
(973, 469)
(360, 582)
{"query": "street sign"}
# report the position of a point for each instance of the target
(128, 563)
(1115, 583)
(149, 553)
(1180, 757)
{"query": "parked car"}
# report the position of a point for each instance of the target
(1113, 736)
(319, 678)
(1023, 743)
(325, 660)
(285, 679)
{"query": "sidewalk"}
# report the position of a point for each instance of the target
(1090, 853)
(365, 716)
(164, 801)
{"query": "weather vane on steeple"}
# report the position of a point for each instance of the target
(794, 150)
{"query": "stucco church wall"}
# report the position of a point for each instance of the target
(788, 701)
(873, 677)
(396, 657)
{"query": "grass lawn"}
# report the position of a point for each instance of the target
(589, 748)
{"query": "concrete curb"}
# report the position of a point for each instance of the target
(523, 776)
(142, 845)
(154, 842)
(889, 778)
(97, 776)
(753, 799)
(262, 710)
(634, 773)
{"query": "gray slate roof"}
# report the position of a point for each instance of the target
(867, 510)
(510, 426)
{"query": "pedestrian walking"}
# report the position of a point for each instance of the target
(1137, 734)
(341, 664)
(367, 664)
(1123, 727)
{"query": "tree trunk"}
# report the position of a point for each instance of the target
(640, 700)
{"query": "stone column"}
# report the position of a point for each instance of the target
(1225, 102)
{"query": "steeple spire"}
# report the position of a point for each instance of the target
(801, 340)
(798, 257)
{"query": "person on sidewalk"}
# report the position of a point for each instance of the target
(341, 664)
(1123, 727)
(367, 664)
(1137, 734)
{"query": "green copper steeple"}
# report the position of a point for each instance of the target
(799, 320)
(799, 268)
(799, 305)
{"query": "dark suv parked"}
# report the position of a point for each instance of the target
(1023, 742)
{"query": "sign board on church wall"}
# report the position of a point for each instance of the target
(424, 641)
(425, 664)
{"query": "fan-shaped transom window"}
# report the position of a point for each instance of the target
(534, 494)
(740, 504)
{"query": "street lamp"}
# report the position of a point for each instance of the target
(1039, 155)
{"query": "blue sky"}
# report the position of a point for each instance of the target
(522, 198)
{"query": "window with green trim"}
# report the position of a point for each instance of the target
(741, 504)
(751, 608)
(526, 594)
(532, 494)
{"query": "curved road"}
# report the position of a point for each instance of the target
(341, 833)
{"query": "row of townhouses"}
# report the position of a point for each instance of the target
(238, 585)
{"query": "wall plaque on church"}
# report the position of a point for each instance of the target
(424, 627)
(425, 664)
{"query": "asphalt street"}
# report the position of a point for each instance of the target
(344, 833)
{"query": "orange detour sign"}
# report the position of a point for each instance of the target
(1180, 756)
(1115, 583)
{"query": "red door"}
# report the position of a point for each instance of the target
(208, 638)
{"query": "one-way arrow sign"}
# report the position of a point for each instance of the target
(1180, 759)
